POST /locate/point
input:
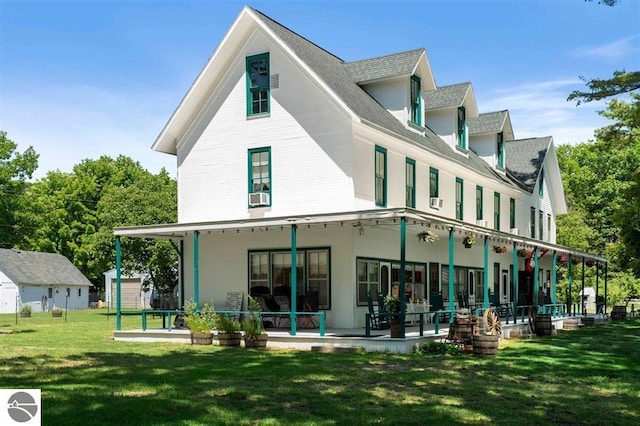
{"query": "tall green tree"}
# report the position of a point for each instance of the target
(15, 170)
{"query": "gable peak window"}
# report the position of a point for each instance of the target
(416, 101)
(500, 149)
(462, 128)
(541, 182)
(258, 84)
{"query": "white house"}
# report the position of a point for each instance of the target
(42, 280)
(290, 158)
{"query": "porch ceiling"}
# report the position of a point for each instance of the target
(364, 218)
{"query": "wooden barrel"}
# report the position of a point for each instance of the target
(485, 345)
(619, 313)
(464, 329)
(588, 320)
(229, 339)
(543, 325)
(201, 338)
(571, 323)
(259, 341)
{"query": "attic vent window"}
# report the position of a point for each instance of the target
(275, 81)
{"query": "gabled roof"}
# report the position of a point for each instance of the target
(524, 159)
(394, 65)
(40, 269)
(446, 96)
(490, 122)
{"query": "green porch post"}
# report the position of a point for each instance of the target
(582, 304)
(606, 265)
(196, 268)
(118, 283)
(403, 267)
(451, 272)
(515, 280)
(554, 276)
(294, 278)
(597, 284)
(181, 272)
(485, 283)
(536, 280)
(570, 284)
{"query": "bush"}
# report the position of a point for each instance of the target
(57, 310)
(225, 324)
(26, 308)
(201, 320)
(438, 348)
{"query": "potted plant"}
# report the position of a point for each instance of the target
(500, 249)
(469, 241)
(57, 312)
(392, 307)
(254, 334)
(200, 322)
(25, 311)
(427, 236)
(228, 330)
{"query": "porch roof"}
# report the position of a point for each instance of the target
(364, 218)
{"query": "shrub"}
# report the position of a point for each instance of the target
(26, 308)
(438, 348)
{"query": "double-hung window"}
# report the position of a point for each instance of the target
(410, 185)
(433, 183)
(541, 225)
(416, 101)
(500, 149)
(459, 199)
(479, 202)
(462, 128)
(548, 227)
(512, 213)
(381, 176)
(532, 223)
(260, 173)
(496, 210)
(258, 84)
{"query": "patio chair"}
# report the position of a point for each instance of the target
(463, 300)
(378, 322)
(438, 305)
(267, 307)
(310, 305)
(282, 320)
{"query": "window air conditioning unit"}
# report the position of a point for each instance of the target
(484, 223)
(258, 199)
(515, 231)
(436, 203)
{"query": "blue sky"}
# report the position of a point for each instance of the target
(80, 79)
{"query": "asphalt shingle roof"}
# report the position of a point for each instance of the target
(446, 96)
(46, 269)
(403, 63)
(332, 70)
(491, 122)
(524, 158)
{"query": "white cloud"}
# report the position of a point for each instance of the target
(613, 50)
(541, 109)
(68, 124)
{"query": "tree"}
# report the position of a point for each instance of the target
(15, 169)
(621, 82)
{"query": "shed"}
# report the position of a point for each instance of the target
(133, 294)
(588, 297)
(42, 280)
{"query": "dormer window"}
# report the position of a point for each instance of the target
(462, 128)
(541, 182)
(416, 101)
(500, 149)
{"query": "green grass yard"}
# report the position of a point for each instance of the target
(588, 376)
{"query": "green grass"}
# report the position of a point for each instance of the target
(587, 376)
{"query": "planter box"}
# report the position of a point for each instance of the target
(229, 339)
(25, 314)
(259, 341)
(201, 338)
(56, 314)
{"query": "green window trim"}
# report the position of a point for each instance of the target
(532, 223)
(380, 177)
(410, 178)
(462, 128)
(541, 183)
(479, 202)
(548, 227)
(541, 225)
(368, 277)
(496, 211)
(500, 149)
(416, 101)
(258, 85)
(434, 182)
(459, 199)
(512, 213)
(259, 172)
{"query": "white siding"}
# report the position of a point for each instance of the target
(444, 123)
(393, 95)
(485, 147)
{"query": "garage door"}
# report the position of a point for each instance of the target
(130, 290)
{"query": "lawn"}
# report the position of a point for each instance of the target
(588, 376)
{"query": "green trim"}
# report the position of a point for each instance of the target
(479, 202)
(262, 89)
(416, 101)
(434, 184)
(541, 183)
(380, 199)
(261, 181)
(459, 199)
(512, 213)
(496, 211)
(462, 128)
(410, 183)
(500, 149)
(196, 268)
(540, 225)
(294, 278)
(485, 278)
(118, 284)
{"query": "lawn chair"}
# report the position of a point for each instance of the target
(267, 304)
(438, 305)
(310, 305)
(282, 320)
(378, 322)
